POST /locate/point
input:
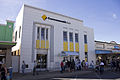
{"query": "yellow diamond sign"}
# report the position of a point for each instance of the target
(44, 17)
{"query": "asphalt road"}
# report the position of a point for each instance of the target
(107, 75)
(78, 75)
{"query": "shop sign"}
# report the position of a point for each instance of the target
(116, 51)
(102, 52)
(116, 47)
(44, 17)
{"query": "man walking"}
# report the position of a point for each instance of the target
(23, 67)
(34, 68)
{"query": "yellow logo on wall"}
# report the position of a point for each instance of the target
(44, 17)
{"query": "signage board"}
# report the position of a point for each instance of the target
(44, 17)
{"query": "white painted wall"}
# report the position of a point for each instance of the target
(29, 15)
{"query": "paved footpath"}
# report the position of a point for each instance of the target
(47, 75)
(77, 75)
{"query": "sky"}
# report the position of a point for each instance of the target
(101, 15)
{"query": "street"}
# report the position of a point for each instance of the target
(78, 75)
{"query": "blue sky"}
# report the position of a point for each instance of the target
(101, 15)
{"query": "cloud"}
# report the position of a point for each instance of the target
(114, 16)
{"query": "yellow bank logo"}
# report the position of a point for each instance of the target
(44, 17)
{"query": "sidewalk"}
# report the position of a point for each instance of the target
(42, 75)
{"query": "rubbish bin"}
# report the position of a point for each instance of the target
(10, 72)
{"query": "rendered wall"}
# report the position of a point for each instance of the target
(6, 31)
(32, 15)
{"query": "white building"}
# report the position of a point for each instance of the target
(49, 37)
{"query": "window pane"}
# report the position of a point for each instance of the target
(46, 34)
(15, 35)
(65, 36)
(38, 33)
(43, 34)
(85, 38)
(19, 31)
(71, 37)
(76, 37)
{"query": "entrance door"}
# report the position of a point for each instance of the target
(42, 60)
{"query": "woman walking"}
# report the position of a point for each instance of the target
(3, 72)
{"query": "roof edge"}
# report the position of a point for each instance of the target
(52, 12)
(106, 42)
(10, 21)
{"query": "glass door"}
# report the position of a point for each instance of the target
(42, 60)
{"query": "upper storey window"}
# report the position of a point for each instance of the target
(76, 37)
(71, 36)
(42, 33)
(46, 34)
(15, 35)
(19, 31)
(38, 32)
(85, 39)
(65, 36)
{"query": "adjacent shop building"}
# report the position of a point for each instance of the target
(107, 51)
(6, 43)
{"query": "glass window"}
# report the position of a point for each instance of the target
(38, 32)
(19, 31)
(85, 38)
(43, 34)
(76, 37)
(65, 35)
(46, 34)
(15, 35)
(71, 37)
(86, 54)
(10, 26)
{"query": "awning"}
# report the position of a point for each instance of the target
(7, 44)
(116, 51)
(103, 52)
(69, 53)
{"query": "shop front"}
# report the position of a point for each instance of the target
(68, 55)
(42, 59)
(5, 53)
(106, 56)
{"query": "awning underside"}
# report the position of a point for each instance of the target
(7, 44)
(102, 52)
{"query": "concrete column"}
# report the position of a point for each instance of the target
(74, 40)
(8, 58)
(68, 41)
(45, 37)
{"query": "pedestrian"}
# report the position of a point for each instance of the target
(73, 65)
(23, 67)
(92, 65)
(86, 65)
(101, 67)
(62, 66)
(34, 68)
(3, 72)
(79, 64)
(68, 65)
(83, 65)
(76, 64)
(117, 65)
(112, 65)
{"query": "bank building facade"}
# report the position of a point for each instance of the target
(48, 38)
